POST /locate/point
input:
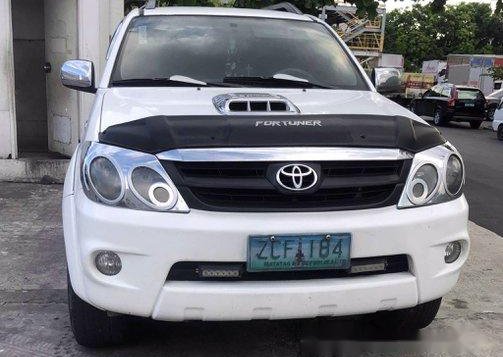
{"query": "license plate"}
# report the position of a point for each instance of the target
(299, 252)
(469, 105)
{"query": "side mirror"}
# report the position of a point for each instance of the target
(387, 80)
(78, 75)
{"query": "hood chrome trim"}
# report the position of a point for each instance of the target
(284, 154)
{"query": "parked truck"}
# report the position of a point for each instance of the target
(473, 70)
(413, 85)
(437, 68)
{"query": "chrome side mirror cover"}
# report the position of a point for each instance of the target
(387, 80)
(78, 75)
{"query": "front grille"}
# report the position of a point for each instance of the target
(246, 186)
(258, 169)
(235, 170)
(190, 271)
(341, 197)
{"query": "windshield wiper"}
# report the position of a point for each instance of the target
(276, 80)
(173, 81)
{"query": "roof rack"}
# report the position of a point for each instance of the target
(285, 7)
(149, 5)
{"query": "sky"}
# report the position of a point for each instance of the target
(392, 4)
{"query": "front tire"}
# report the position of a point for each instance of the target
(490, 113)
(438, 118)
(475, 124)
(408, 320)
(499, 133)
(93, 327)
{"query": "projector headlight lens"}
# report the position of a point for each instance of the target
(423, 184)
(454, 175)
(152, 189)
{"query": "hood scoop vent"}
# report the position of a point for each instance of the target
(254, 103)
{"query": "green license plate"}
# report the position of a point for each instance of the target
(299, 252)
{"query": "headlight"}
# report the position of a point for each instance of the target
(105, 179)
(454, 175)
(151, 188)
(127, 178)
(436, 176)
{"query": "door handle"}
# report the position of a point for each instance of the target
(47, 67)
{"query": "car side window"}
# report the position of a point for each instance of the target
(435, 91)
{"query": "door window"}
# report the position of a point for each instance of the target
(436, 91)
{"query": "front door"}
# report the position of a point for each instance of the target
(62, 104)
(430, 102)
(419, 103)
(29, 59)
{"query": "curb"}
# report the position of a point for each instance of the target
(45, 171)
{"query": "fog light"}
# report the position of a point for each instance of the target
(452, 251)
(108, 263)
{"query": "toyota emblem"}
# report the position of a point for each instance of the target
(296, 177)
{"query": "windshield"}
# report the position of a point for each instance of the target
(212, 49)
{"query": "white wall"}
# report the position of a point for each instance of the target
(7, 107)
(97, 20)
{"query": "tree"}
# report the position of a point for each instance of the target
(497, 73)
(499, 7)
(497, 26)
(364, 7)
(423, 33)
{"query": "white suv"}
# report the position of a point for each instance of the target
(238, 165)
(498, 120)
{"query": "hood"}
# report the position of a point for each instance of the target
(122, 105)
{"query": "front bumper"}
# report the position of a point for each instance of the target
(496, 123)
(149, 243)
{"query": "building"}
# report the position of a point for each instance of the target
(40, 120)
(365, 37)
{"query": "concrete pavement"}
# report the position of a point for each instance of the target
(34, 319)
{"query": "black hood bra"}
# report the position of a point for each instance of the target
(161, 133)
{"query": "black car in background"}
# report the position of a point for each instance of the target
(446, 102)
